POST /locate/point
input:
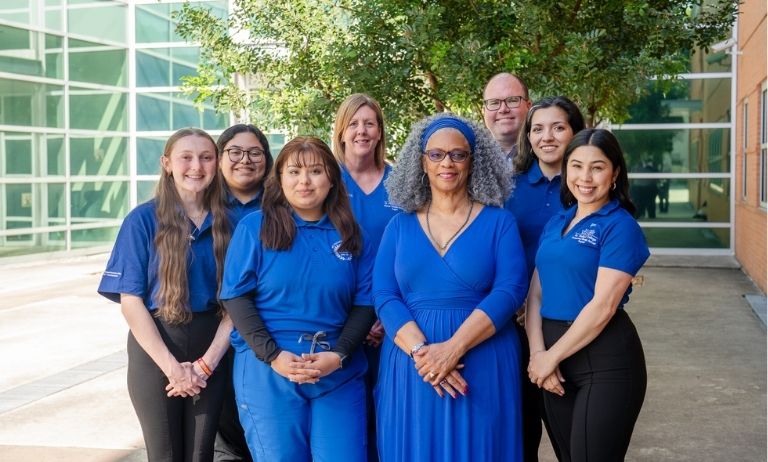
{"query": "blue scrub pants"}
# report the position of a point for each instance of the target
(284, 421)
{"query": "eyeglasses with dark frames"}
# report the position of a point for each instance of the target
(236, 154)
(494, 104)
(456, 155)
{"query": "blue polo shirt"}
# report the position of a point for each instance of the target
(132, 267)
(372, 211)
(568, 264)
(238, 210)
(305, 289)
(534, 201)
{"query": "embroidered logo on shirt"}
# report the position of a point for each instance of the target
(391, 206)
(587, 235)
(343, 256)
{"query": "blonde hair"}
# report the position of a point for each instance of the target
(346, 111)
(172, 238)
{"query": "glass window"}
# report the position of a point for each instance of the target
(153, 112)
(54, 19)
(26, 244)
(185, 114)
(18, 155)
(153, 68)
(98, 110)
(93, 63)
(54, 56)
(709, 61)
(56, 203)
(213, 120)
(16, 11)
(31, 104)
(54, 147)
(145, 190)
(148, 152)
(681, 200)
(18, 204)
(744, 147)
(98, 156)
(276, 143)
(105, 21)
(688, 238)
(684, 101)
(689, 150)
(84, 238)
(97, 200)
(155, 23)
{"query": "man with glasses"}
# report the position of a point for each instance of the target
(505, 105)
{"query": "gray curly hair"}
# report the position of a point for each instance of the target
(490, 180)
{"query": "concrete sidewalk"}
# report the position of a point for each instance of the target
(63, 395)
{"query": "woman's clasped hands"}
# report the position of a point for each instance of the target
(438, 364)
(307, 368)
(185, 379)
(543, 371)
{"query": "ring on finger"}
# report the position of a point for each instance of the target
(443, 382)
(432, 375)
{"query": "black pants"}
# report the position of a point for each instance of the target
(230, 443)
(604, 390)
(532, 406)
(176, 429)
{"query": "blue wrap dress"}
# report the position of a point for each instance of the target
(483, 269)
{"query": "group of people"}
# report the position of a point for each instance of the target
(328, 306)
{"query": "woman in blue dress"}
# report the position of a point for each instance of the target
(177, 333)
(360, 147)
(244, 163)
(585, 351)
(449, 276)
(297, 283)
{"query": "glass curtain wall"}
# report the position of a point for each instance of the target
(678, 148)
(89, 91)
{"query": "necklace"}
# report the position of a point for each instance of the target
(429, 229)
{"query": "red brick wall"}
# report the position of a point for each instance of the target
(750, 225)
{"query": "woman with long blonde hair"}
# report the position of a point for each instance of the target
(165, 270)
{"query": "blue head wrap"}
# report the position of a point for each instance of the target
(448, 122)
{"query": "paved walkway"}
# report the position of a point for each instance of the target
(63, 396)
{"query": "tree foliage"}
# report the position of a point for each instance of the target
(301, 58)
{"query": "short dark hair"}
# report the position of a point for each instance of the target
(605, 141)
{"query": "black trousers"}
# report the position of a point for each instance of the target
(230, 443)
(176, 429)
(604, 390)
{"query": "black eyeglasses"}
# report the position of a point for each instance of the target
(255, 155)
(494, 104)
(437, 155)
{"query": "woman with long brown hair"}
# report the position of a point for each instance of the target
(297, 283)
(165, 270)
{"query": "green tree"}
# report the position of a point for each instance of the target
(301, 58)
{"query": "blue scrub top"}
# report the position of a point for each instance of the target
(132, 267)
(372, 211)
(305, 289)
(534, 201)
(568, 264)
(238, 210)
